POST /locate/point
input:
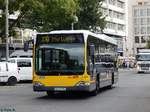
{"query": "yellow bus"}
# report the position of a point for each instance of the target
(74, 60)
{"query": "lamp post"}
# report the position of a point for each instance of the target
(75, 21)
(6, 30)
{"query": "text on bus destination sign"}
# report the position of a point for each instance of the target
(60, 39)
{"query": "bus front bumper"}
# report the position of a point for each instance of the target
(38, 87)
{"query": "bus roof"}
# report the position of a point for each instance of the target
(86, 33)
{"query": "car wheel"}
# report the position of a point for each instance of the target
(12, 81)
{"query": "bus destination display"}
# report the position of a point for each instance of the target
(61, 38)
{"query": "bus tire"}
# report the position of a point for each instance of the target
(12, 81)
(50, 93)
(109, 87)
(95, 92)
(140, 72)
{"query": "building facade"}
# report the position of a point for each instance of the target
(138, 25)
(141, 26)
(115, 12)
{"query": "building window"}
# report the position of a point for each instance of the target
(120, 15)
(148, 21)
(143, 21)
(112, 2)
(136, 12)
(145, 3)
(120, 27)
(111, 25)
(143, 39)
(120, 4)
(139, 3)
(136, 30)
(104, 11)
(137, 21)
(115, 15)
(143, 12)
(143, 30)
(114, 26)
(105, 1)
(148, 12)
(110, 13)
(148, 30)
(137, 39)
(108, 25)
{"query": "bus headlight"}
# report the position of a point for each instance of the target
(37, 84)
(83, 83)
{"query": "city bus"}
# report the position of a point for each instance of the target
(73, 60)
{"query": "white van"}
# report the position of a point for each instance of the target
(9, 73)
(21, 54)
(24, 66)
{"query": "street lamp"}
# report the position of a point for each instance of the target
(75, 21)
(6, 30)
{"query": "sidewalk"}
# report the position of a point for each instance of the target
(126, 69)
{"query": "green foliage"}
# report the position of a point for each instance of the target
(90, 16)
(47, 15)
(51, 15)
(42, 15)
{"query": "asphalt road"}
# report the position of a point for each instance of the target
(130, 94)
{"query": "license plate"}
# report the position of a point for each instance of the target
(59, 89)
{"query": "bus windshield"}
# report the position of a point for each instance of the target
(143, 57)
(60, 59)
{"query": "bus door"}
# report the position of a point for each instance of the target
(91, 62)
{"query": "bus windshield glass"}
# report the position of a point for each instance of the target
(143, 57)
(60, 57)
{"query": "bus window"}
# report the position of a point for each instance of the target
(60, 59)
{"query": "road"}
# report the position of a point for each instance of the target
(130, 94)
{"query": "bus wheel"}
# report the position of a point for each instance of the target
(109, 87)
(12, 81)
(95, 92)
(50, 93)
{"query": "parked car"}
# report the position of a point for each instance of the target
(9, 73)
(24, 66)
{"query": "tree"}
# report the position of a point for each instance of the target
(90, 15)
(47, 15)
(53, 15)
(23, 6)
(42, 15)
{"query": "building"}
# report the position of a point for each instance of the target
(141, 24)
(138, 25)
(115, 12)
(16, 42)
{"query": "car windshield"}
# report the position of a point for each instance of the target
(143, 57)
(60, 59)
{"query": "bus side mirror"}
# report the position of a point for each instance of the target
(92, 53)
(26, 46)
